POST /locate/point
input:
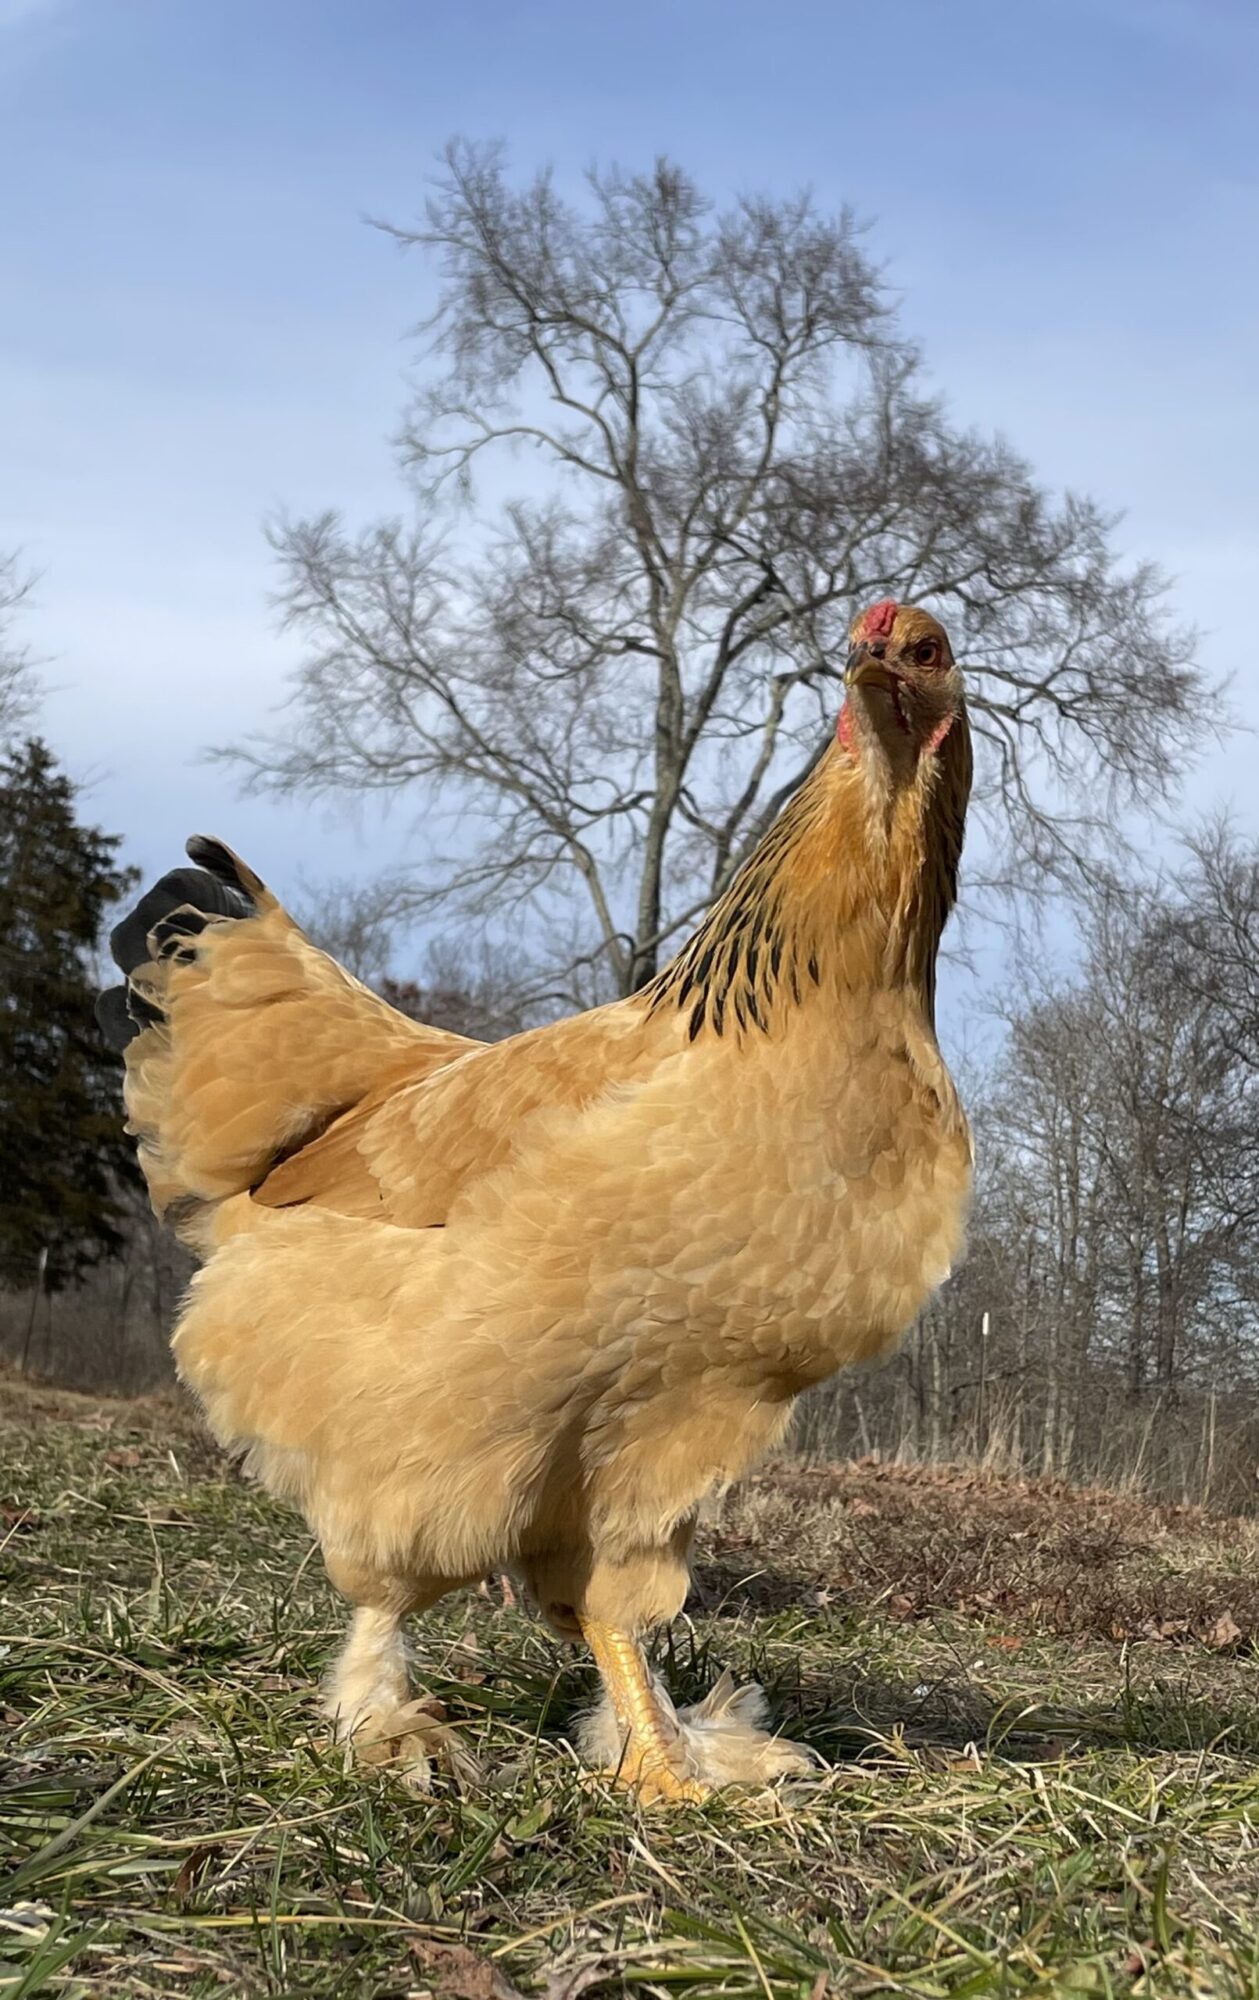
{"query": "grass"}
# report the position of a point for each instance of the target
(1040, 1711)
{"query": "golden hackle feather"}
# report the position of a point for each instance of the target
(845, 891)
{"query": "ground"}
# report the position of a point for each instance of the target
(1039, 1710)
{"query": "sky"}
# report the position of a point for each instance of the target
(199, 327)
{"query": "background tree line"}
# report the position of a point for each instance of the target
(609, 682)
(73, 1221)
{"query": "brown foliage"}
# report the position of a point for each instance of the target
(919, 1542)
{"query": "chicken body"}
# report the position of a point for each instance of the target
(526, 1305)
(552, 1367)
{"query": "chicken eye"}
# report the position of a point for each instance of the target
(927, 652)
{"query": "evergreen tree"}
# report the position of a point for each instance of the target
(63, 1155)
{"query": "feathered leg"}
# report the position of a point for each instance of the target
(679, 1755)
(369, 1698)
(644, 1746)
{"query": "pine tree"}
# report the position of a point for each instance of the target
(64, 1160)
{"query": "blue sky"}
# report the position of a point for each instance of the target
(198, 327)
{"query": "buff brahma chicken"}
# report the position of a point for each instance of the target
(522, 1306)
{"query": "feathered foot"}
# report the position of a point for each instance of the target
(410, 1737)
(372, 1711)
(638, 1734)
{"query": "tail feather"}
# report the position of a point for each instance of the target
(242, 1039)
(180, 905)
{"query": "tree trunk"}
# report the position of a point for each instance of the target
(1165, 1352)
(1136, 1328)
(1053, 1392)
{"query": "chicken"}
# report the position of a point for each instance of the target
(523, 1306)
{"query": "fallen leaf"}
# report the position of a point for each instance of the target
(527, 1825)
(1165, 1628)
(193, 1869)
(1225, 1632)
(971, 1762)
(569, 1982)
(455, 1973)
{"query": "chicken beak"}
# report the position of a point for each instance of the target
(862, 669)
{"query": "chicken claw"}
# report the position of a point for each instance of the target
(657, 1782)
(372, 1711)
(410, 1737)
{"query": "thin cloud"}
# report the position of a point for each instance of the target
(16, 13)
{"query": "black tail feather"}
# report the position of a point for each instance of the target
(113, 1018)
(218, 860)
(184, 888)
(178, 907)
(121, 1013)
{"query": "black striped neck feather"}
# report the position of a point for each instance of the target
(848, 892)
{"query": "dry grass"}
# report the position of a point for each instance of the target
(920, 1540)
(1039, 1709)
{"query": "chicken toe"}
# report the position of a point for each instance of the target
(728, 1743)
(665, 1753)
(410, 1737)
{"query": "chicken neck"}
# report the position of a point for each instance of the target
(848, 892)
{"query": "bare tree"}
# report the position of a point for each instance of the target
(620, 679)
(1205, 944)
(1209, 938)
(356, 922)
(17, 689)
(474, 986)
(1119, 1171)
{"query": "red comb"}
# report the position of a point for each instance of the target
(878, 621)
